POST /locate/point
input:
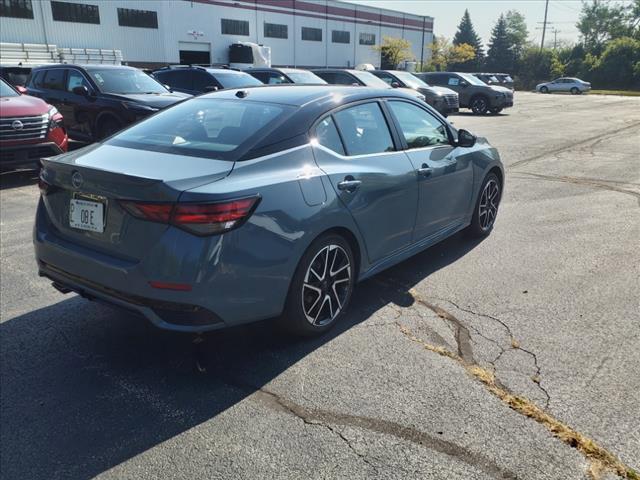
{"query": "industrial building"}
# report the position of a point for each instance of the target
(309, 33)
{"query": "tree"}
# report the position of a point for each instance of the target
(618, 66)
(500, 54)
(536, 66)
(517, 32)
(467, 34)
(444, 55)
(600, 22)
(394, 50)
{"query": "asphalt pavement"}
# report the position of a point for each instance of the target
(500, 359)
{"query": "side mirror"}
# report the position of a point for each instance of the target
(465, 139)
(210, 88)
(168, 87)
(81, 90)
(464, 84)
(23, 90)
(395, 84)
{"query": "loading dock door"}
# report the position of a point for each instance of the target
(195, 53)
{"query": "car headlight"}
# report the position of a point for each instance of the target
(55, 118)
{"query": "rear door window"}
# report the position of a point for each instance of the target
(344, 79)
(54, 79)
(386, 78)
(202, 81)
(364, 129)
(179, 79)
(453, 80)
(328, 136)
(277, 79)
(37, 79)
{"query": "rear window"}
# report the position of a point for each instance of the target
(205, 127)
(236, 79)
(305, 77)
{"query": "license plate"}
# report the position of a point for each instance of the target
(86, 215)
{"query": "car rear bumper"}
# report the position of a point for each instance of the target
(28, 155)
(226, 289)
(167, 315)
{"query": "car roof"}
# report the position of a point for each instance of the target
(91, 66)
(349, 70)
(291, 70)
(302, 95)
(308, 103)
(224, 70)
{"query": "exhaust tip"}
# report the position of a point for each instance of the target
(61, 288)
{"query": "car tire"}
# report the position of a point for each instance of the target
(486, 207)
(314, 304)
(496, 111)
(108, 127)
(479, 105)
(544, 90)
(575, 91)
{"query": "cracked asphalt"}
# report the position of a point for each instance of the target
(548, 304)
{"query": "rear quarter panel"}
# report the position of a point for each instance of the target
(252, 266)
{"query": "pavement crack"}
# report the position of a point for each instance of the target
(514, 344)
(599, 458)
(573, 145)
(589, 182)
(327, 419)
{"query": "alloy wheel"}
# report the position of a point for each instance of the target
(488, 207)
(326, 285)
(479, 106)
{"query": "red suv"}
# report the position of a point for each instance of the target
(29, 129)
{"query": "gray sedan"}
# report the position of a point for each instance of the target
(272, 201)
(574, 86)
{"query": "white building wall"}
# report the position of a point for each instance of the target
(341, 54)
(178, 17)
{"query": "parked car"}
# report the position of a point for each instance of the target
(444, 100)
(473, 92)
(575, 86)
(338, 76)
(499, 79)
(98, 100)
(241, 205)
(505, 80)
(274, 76)
(29, 129)
(15, 75)
(488, 78)
(196, 80)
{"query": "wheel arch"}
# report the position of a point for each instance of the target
(351, 238)
(498, 172)
(102, 117)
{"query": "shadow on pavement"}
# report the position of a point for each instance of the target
(18, 178)
(85, 387)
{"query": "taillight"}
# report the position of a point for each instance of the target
(155, 212)
(197, 218)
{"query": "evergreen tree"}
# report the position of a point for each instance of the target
(500, 54)
(467, 34)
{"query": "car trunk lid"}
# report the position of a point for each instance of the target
(105, 175)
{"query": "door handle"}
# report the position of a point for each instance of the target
(349, 184)
(425, 171)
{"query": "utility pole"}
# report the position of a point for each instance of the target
(555, 37)
(544, 25)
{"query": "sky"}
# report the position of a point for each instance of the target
(484, 13)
